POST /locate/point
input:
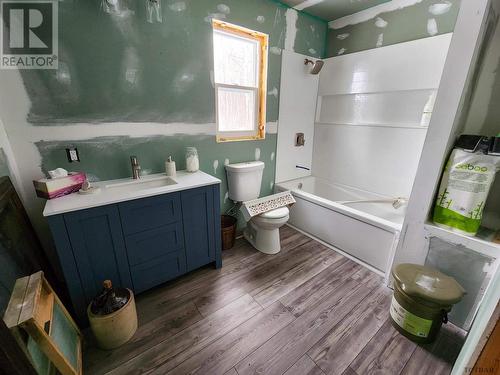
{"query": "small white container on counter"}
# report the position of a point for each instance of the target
(192, 161)
(170, 167)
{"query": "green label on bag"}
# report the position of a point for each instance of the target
(411, 323)
(452, 219)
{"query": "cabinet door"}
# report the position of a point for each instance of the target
(97, 241)
(198, 218)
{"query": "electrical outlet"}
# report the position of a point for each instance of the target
(72, 154)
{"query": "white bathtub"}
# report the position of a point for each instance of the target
(367, 232)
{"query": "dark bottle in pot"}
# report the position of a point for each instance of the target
(109, 300)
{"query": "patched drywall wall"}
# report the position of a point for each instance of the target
(128, 86)
(124, 68)
(8, 165)
(4, 164)
(390, 23)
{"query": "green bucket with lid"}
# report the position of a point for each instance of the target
(422, 299)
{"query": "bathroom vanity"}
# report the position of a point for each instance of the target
(137, 233)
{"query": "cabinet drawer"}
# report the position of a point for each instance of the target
(157, 271)
(153, 243)
(147, 213)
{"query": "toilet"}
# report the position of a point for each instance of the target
(262, 231)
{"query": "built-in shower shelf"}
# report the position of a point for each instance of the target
(480, 244)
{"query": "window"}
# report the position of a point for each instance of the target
(240, 76)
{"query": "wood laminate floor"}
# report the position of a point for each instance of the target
(306, 310)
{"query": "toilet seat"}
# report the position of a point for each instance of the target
(277, 213)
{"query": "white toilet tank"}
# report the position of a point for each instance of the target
(244, 180)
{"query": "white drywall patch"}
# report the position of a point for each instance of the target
(131, 67)
(212, 16)
(261, 19)
(131, 76)
(183, 81)
(277, 16)
(257, 153)
(273, 92)
(312, 51)
(223, 8)
(63, 74)
(343, 36)
(307, 4)
(380, 22)
(272, 127)
(432, 27)
(272, 155)
(440, 8)
(341, 51)
(179, 6)
(275, 50)
(83, 131)
(291, 17)
(380, 40)
(371, 13)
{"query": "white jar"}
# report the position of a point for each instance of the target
(192, 161)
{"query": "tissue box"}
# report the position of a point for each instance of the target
(49, 188)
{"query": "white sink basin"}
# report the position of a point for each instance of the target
(142, 184)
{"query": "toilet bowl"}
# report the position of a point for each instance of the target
(244, 184)
(262, 231)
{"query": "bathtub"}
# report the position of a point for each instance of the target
(366, 232)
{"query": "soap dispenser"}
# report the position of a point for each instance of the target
(170, 167)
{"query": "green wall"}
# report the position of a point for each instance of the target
(121, 69)
(400, 25)
(109, 157)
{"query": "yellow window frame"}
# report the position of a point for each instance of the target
(263, 41)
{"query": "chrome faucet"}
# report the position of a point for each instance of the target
(136, 168)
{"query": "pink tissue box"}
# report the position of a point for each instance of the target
(49, 188)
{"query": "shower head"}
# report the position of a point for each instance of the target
(316, 65)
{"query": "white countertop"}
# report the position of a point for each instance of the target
(115, 191)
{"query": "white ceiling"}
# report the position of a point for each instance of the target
(330, 10)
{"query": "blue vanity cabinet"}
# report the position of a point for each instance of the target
(137, 244)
